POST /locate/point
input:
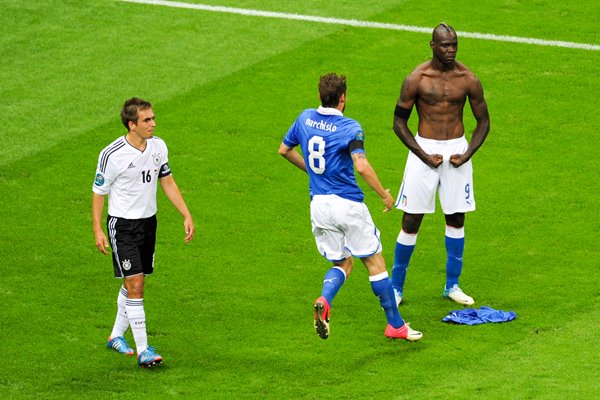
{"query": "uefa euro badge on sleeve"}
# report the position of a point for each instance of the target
(99, 181)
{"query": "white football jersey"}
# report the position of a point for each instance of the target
(129, 177)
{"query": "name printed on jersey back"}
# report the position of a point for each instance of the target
(321, 125)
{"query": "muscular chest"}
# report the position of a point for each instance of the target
(442, 89)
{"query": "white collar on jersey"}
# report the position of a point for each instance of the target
(329, 111)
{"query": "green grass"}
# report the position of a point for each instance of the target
(231, 312)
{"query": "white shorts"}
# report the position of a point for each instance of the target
(343, 228)
(421, 182)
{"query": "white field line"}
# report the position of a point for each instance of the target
(364, 24)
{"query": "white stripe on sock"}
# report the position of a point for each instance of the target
(379, 277)
(407, 239)
(455, 233)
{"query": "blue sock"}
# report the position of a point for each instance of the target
(382, 287)
(455, 245)
(333, 281)
(405, 245)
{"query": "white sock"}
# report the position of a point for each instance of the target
(122, 322)
(137, 321)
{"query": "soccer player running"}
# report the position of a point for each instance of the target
(128, 171)
(440, 156)
(332, 147)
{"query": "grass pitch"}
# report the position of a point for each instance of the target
(231, 312)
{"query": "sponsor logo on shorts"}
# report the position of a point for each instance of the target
(404, 200)
(126, 264)
(99, 181)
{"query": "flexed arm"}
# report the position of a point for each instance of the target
(482, 116)
(404, 106)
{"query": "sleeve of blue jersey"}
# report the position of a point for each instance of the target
(357, 143)
(288, 142)
(290, 139)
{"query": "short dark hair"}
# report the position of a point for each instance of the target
(441, 27)
(131, 108)
(331, 88)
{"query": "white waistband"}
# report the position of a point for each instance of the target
(442, 142)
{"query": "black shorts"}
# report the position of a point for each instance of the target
(132, 242)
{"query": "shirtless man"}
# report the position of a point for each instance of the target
(440, 156)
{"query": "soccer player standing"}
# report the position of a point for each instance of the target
(332, 147)
(440, 156)
(128, 171)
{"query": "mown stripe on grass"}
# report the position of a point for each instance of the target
(366, 24)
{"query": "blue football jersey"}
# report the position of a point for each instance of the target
(324, 134)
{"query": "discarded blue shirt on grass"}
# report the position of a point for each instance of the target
(476, 316)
